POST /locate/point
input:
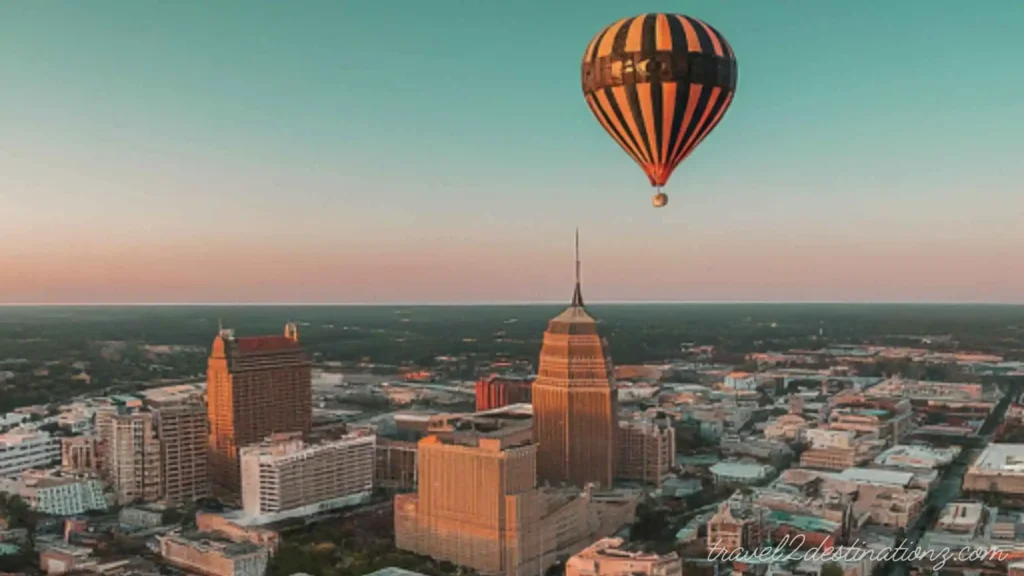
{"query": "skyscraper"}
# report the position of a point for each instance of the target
(574, 408)
(256, 387)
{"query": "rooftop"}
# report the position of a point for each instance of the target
(207, 542)
(741, 470)
(875, 476)
(1001, 458)
(804, 523)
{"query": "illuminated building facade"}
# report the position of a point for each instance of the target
(574, 406)
(256, 387)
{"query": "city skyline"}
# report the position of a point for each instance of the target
(186, 153)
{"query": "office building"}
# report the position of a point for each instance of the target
(646, 450)
(256, 387)
(478, 504)
(23, 449)
(131, 455)
(574, 402)
(183, 436)
(80, 453)
(284, 477)
(613, 557)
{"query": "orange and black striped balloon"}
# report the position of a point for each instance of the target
(659, 84)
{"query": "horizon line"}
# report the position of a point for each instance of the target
(511, 303)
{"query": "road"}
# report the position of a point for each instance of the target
(952, 477)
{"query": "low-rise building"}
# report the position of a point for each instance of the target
(62, 559)
(225, 525)
(612, 557)
(63, 495)
(777, 454)
(872, 420)
(786, 428)
(213, 556)
(838, 449)
(740, 381)
(23, 449)
(914, 457)
(998, 469)
(141, 516)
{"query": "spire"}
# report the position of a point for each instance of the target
(577, 295)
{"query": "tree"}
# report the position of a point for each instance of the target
(291, 559)
(831, 569)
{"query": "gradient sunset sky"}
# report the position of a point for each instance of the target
(410, 151)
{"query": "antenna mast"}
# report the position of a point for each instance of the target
(577, 295)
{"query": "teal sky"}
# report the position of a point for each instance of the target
(363, 151)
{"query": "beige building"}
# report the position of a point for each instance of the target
(183, 433)
(212, 556)
(786, 428)
(79, 453)
(998, 469)
(478, 505)
(131, 455)
(225, 527)
(612, 557)
(646, 450)
(879, 423)
(839, 449)
(285, 477)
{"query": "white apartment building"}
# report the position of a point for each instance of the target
(22, 449)
(59, 496)
(284, 477)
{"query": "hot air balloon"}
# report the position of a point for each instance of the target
(659, 84)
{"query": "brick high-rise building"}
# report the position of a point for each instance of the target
(183, 436)
(498, 391)
(256, 387)
(574, 407)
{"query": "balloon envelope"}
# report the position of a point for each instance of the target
(659, 84)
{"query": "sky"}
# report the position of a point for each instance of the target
(406, 151)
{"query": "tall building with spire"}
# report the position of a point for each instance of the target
(255, 387)
(574, 408)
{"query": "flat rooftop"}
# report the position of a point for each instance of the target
(875, 476)
(1000, 458)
